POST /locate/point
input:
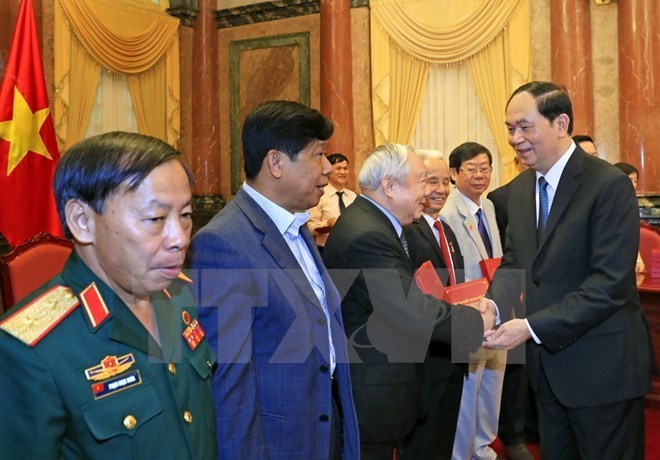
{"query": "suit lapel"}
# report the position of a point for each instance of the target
(470, 225)
(333, 299)
(370, 208)
(492, 226)
(427, 231)
(523, 210)
(278, 248)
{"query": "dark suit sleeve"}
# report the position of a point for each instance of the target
(227, 291)
(612, 237)
(499, 198)
(403, 318)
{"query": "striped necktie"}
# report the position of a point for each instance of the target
(484, 234)
(543, 205)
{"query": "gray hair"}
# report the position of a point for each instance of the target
(387, 160)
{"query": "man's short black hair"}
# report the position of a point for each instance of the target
(627, 168)
(280, 125)
(337, 158)
(551, 100)
(94, 169)
(582, 138)
(466, 151)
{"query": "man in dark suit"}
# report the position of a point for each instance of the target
(433, 436)
(283, 386)
(574, 231)
(388, 320)
(518, 420)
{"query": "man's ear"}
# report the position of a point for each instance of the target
(453, 174)
(388, 185)
(80, 220)
(273, 162)
(562, 121)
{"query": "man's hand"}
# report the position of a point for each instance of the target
(487, 310)
(508, 336)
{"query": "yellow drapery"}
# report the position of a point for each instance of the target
(139, 41)
(491, 35)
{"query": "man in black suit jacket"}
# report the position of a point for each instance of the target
(589, 350)
(388, 320)
(433, 436)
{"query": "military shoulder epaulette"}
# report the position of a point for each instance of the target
(37, 318)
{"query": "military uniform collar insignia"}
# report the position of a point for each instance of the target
(96, 309)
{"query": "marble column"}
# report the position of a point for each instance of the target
(186, 12)
(570, 42)
(336, 74)
(207, 199)
(639, 94)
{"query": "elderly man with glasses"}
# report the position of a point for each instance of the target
(472, 218)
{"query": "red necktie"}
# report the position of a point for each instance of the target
(444, 245)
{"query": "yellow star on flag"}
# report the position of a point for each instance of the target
(22, 132)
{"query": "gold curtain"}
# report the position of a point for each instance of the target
(479, 32)
(415, 73)
(136, 40)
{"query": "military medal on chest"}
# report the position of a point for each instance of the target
(193, 333)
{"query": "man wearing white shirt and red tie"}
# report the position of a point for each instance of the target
(430, 239)
(472, 218)
(335, 199)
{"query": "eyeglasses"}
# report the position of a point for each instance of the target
(469, 172)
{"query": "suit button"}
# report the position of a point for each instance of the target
(172, 368)
(324, 418)
(536, 283)
(187, 417)
(129, 422)
(321, 321)
(324, 368)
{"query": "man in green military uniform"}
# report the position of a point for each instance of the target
(107, 360)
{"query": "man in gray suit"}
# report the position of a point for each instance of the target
(472, 218)
(574, 229)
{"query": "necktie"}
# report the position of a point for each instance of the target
(342, 205)
(484, 234)
(543, 205)
(404, 243)
(446, 255)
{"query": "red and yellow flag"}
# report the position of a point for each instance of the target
(28, 148)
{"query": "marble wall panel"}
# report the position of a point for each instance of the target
(259, 62)
(267, 60)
